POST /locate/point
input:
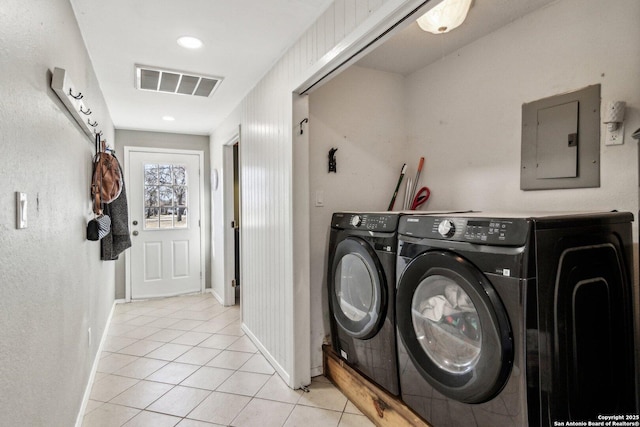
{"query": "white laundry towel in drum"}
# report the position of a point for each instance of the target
(453, 300)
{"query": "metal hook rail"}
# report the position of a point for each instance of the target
(75, 103)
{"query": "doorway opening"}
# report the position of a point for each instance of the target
(232, 213)
(236, 220)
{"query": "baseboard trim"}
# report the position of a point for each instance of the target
(317, 371)
(94, 366)
(279, 369)
(216, 296)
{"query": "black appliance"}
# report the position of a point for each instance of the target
(361, 287)
(516, 320)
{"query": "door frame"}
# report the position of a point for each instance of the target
(127, 259)
(229, 296)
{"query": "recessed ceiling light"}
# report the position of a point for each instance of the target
(189, 42)
(168, 118)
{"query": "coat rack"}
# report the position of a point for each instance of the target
(75, 102)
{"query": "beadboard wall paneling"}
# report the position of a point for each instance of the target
(275, 287)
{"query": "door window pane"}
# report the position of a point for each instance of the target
(180, 211)
(150, 174)
(164, 174)
(166, 206)
(165, 196)
(179, 175)
(151, 207)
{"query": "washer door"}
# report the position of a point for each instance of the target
(454, 327)
(357, 288)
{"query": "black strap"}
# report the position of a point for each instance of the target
(97, 196)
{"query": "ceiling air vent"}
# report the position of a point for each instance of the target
(170, 81)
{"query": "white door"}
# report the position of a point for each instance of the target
(164, 213)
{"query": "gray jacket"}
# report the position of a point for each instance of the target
(114, 243)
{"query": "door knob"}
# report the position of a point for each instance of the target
(135, 222)
(135, 233)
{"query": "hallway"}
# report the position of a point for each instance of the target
(184, 361)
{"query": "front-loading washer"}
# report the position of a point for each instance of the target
(516, 320)
(361, 288)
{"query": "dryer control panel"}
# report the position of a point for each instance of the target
(488, 231)
(365, 221)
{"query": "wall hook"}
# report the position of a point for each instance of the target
(305, 120)
(78, 96)
(75, 102)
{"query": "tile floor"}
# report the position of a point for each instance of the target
(185, 361)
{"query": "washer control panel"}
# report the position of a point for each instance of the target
(490, 231)
(365, 221)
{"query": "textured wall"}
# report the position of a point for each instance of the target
(464, 112)
(53, 286)
(134, 138)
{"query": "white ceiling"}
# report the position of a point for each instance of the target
(413, 49)
(242, 40)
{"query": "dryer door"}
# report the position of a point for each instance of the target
(357, 288)
(454, 326)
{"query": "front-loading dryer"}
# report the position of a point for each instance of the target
(361, 288)
(515, 320)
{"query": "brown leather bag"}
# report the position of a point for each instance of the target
(106, 183)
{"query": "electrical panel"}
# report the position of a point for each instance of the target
(561, 141)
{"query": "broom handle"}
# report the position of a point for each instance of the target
(415, 184)
(395, 193)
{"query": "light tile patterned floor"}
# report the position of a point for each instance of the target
(185, 361)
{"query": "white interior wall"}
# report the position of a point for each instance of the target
(361, 113)
(464, 112)
(53, 285)
(275, 291)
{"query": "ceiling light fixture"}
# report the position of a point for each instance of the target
(446, 16)
(168, 118)
(190, 42)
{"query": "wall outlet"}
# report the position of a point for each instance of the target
(614, 137)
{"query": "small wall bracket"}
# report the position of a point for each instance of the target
(332, 160)
(305, 120)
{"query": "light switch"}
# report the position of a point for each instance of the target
(21, 210)
(319, 198)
